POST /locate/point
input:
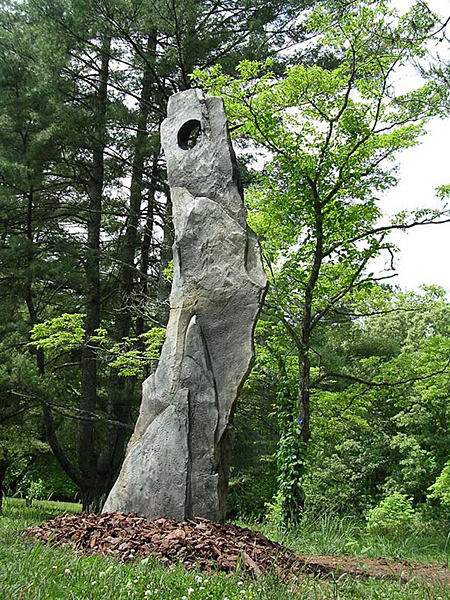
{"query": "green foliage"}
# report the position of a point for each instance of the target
(36, 491)
(253, 461)
(56, 484)
(440, 490)
(17, 441)
(168, 271)
(18, 445)
(368, 440)
(275, 515)
(329, 135)
(130, 356)
(60, 334)
(330, 138)
(394, 516)
(291, 454)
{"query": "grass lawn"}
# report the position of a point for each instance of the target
(30, 570)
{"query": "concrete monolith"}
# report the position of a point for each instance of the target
(176, 465)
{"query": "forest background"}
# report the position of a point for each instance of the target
(347, 406)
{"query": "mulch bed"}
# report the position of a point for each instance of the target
(209, 546)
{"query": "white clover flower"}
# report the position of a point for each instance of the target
(93, 582)
(240, 582)
(54, 567)
(67, 571)
(102, 574)
(148, 593)
(184, 598)
(201, 588)
(198, 579)
(190, 591)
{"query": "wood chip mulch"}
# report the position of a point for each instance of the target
(198, 543)
(209, 546)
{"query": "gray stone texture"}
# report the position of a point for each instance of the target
(176, 464)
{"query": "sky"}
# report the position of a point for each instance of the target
(423, 256)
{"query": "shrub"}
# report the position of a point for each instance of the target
(275, 516)
(394, 516)
(36, 491)
(440, 490)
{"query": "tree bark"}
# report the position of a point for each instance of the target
(129, 247)
(3, 467)
(304, 363)
(293, 503)
(147, 238)
(165, 257)
(87, 458)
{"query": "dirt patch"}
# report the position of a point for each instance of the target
(379, 568)
(209, 546)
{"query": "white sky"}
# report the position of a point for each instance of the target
(423, 252)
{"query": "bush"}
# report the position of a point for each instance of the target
(440, 490)
(36, 491)
(394, 516)
(275, 516)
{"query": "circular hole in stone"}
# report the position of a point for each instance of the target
(190, 134)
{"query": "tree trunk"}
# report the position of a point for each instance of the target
(129, 247)
(304, 394)
(3, 467)
(291, 443)
(304, 363)
(147, 238)
(166, 256)
(93, 496)
(87, 460)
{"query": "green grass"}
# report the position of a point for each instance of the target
(30, 570)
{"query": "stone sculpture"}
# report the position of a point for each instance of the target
(176, 464)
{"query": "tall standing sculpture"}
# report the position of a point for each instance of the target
(176, 464)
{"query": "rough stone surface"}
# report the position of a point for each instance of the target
(177, 459)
